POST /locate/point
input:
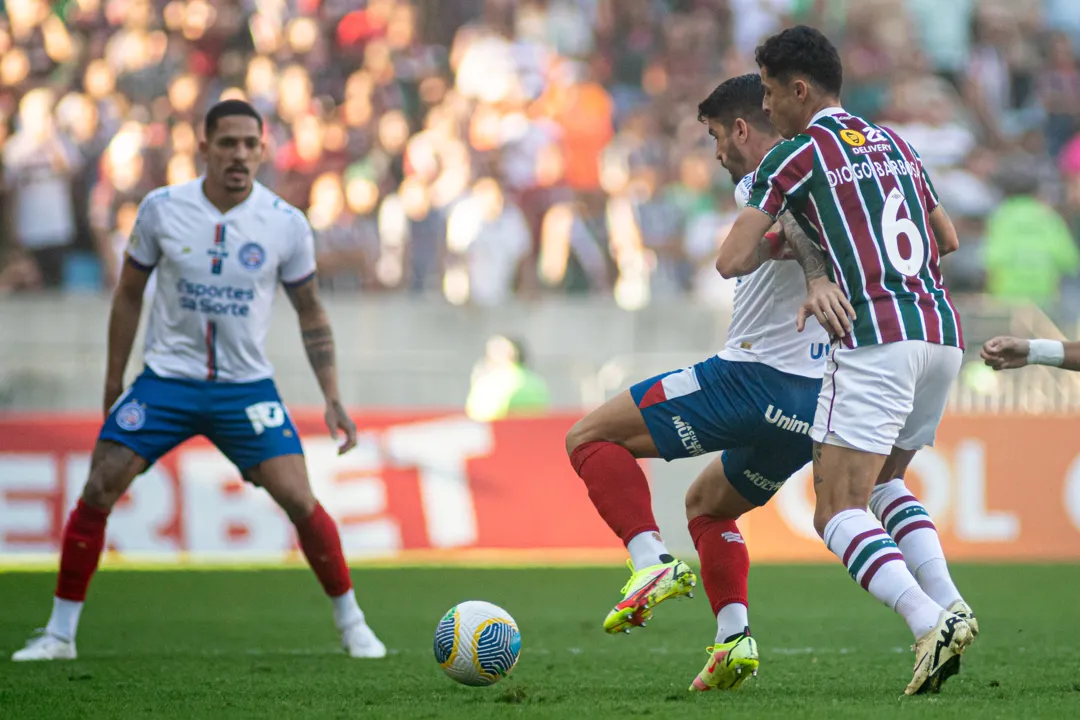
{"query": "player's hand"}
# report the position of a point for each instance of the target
(337, 420)
(1006, 353)
(113, 391)
(827, 302)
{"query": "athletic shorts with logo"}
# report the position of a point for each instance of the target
(246, 421)
(880, 396)
(759, 416)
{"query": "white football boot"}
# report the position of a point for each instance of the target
(360, 641)
(45, 646)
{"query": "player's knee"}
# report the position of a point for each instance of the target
(703, 500)
(102, 490)
(582, 432)
(297, 504)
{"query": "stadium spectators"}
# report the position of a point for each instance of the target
(401, 126)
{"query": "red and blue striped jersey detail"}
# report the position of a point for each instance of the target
(218, 251)
(211, 350)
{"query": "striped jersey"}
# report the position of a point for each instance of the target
(861, 192)
(217, 276)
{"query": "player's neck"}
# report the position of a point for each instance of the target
(822, 103)
(224, 200)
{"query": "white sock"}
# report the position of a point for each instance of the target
(918, 610)
(64, 620)
(731, 620)
(874, 561)
(907, 521)
(645, 549)
(347, 611)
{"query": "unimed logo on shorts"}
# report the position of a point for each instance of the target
(775, 416)
(687, 435)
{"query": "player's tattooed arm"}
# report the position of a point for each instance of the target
(319, 345)
(807, 253)
(824, 299)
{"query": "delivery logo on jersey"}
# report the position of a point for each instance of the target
(853, 138)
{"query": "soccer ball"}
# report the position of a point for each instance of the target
(477, 643)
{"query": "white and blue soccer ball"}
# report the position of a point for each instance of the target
(477, 643)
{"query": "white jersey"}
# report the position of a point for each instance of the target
(767, 301)
(217, 275)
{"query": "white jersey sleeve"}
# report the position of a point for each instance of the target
(143, 246)
(299, 265)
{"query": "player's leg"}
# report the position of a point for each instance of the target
(147, 422)
(660, 417)
(713, 507)
(603, 448)
(865, 400)
(741, 479)
(252, 428)
(904, 516)
(912, 529)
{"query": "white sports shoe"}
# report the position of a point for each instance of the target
(937, 653)
(44, 646)
(360, 641)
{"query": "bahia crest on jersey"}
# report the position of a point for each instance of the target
(861, 191)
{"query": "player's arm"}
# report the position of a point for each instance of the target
(784, 170)
(142, 254)
(319, 345)
(745, 248)
(944, 231)
(824, 298)
(1006, 353)
(940, 224)
(124, 315)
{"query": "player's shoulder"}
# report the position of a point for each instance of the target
(273, 207)
(784, 149)
(169, 196)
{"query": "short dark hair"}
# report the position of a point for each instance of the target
(737, 97)
(228, 108)
(802, 50)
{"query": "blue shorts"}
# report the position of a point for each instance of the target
(759, 416)
(246, 421)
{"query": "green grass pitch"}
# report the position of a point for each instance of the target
(260, 644)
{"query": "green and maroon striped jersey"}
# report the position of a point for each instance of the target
(862, 193)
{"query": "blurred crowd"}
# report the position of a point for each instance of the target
(484, 149)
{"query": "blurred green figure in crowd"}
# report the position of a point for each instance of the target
(502, 385)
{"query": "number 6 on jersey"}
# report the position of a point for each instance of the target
(892, 227)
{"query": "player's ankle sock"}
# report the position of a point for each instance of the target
(731, 622)
(617, 487)
(347, 611)
(647, 549)
(84, 538)
(725, 571)
(910, 526)
(64, 620)
(874, 561)
(321, 544)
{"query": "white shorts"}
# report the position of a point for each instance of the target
(880, 396)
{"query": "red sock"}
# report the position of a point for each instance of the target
(725, 563)
(617, 487)
(84, 538)
(321, 544)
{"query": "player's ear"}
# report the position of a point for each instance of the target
(802, 89)
(740, 129)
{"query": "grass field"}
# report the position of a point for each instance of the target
(259, 644)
